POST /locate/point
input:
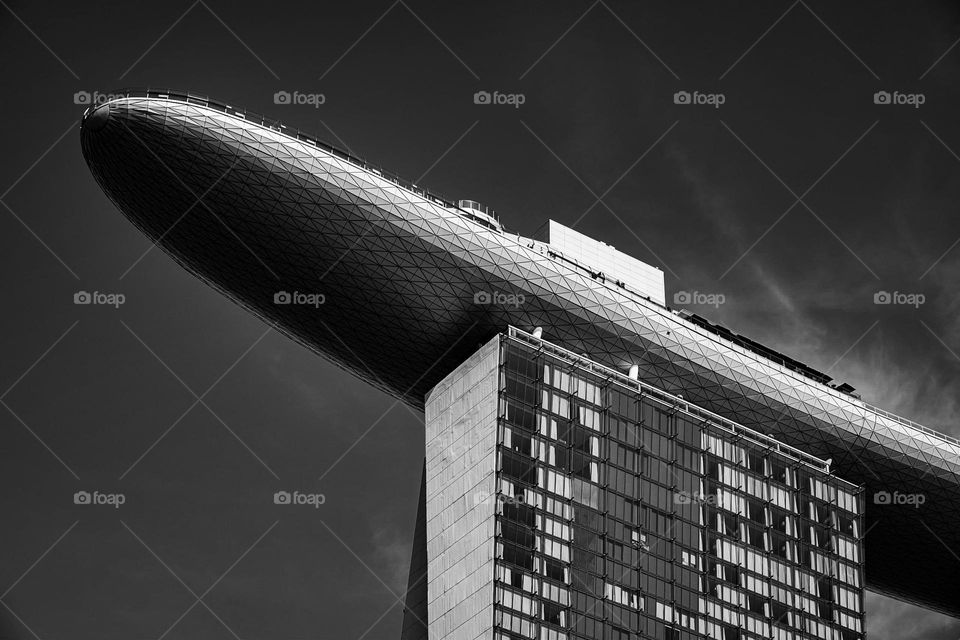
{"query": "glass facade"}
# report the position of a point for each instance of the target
(623, 512)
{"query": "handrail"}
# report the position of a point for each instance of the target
(913, 425)
(256, 118)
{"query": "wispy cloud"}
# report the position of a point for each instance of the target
(889, 619)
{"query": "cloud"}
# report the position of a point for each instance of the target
(889, 619)
(392, 549)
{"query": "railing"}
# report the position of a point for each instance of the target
(276, 125)
(906, 422)
(476, 206)
(676, 401)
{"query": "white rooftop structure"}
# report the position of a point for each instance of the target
(614, 265)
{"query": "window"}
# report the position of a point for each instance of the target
(520, 415)
(781, 521)
(548, 426)
(730, 573)
(557, 529)
(523, 390)
(516, 533)
(588, 391)
(516, 601)
(658, 470)
(554, 614)
(553, 548)
(580, 466)
(847, 549)
(825, 610)
(556, 483)
(656, 443)
(518, 467)
(623, 456)
(553, 570)
(554, 376)
(755, 461)
(589, 417)
(728, 524)
(781, 546)
(556, 403)
(658, 521)
(624, 431)
(779, 613)
(846, 524)
(516, 624)
(846, 500)
(521, 362)
(519, 442)
(780, 472)
(517, 556)
(688, 458)
(662, 420)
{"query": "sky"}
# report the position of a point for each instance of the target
(813, 169)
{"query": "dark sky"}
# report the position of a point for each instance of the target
(705, 193)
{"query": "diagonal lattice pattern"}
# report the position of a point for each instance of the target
(411, 287)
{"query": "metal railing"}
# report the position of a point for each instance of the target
(477, 206)
(906, 422)
(297, 134)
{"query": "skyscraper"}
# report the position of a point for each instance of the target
(567, 500)
(412, 281)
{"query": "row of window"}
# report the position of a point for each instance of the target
(662, 417)
(655, 532)
(765, 477)
(824, 598)
(724, 581)
(751, 503)
(711, 618)
(770, 530)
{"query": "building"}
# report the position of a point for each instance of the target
(565, 500)
(412, 281)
